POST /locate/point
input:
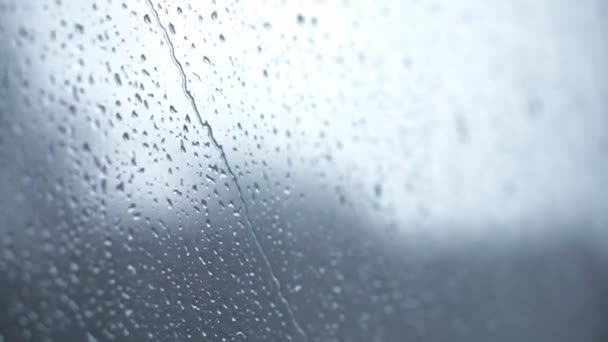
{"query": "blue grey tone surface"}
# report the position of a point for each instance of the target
(303, 170)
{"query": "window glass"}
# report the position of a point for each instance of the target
(303, 170)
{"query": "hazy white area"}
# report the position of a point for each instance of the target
(462, 113)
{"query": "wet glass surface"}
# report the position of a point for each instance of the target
(303, 171)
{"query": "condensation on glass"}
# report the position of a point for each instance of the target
(303, 170)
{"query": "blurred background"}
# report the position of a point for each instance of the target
(368, 170)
